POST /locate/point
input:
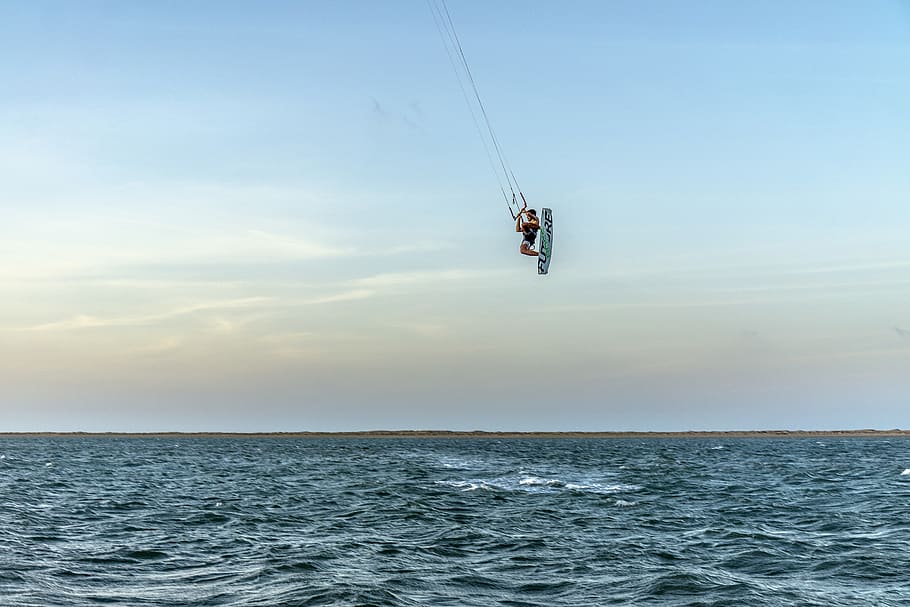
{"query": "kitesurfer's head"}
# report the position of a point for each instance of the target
(532, 212)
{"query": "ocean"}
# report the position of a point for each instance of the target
(450, 521)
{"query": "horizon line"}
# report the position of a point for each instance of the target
(867, 432)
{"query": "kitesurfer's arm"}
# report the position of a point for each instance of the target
(533, 222)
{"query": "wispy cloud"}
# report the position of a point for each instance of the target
(288, 246)
(650, 304)
(45, 255)
(694, 268)
(852, 267)
(285, 338)
(337, 297)
(415, 247)
(394, 279)
(151, 284)
(85, 321)
(859, 285)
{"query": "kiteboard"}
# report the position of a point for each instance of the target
(546, 242)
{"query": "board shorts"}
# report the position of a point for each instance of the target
(524, 242)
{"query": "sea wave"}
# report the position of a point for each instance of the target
(536, 484)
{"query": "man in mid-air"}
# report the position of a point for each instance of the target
(528, 228)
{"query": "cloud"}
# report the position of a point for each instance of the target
(853, 267)
(97, 226)
(747, 269)
(218, 324)
(416, 247)
(394, 279)
(273, 245)
(84, 321)
(904, 333)
(827, 286)
(637, 304)
(372, 286)
(354, 290)
(153, 283)
(284, 338)
(343, 296)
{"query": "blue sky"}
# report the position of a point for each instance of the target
(244, 216)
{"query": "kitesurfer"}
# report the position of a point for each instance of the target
(528, 228)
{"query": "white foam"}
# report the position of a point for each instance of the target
(599, 488)
(625, 504)
(578, 486)
(718, 448)
(49, 465)
(457, 463)
(906, 472)
(468, 485)
(536, 484)
(536, 481)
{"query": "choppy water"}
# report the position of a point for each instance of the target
(439, 522)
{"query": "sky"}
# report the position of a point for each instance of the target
(244, 216)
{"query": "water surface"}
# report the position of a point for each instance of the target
(442, 521)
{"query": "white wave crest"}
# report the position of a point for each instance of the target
(455, 463)
(536, 484)
(469, 485)
(535, 481)
(906, 472)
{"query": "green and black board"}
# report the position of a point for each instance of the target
(546, 242)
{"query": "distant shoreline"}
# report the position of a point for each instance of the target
(475, 434)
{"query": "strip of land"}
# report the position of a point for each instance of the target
(478, 434)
